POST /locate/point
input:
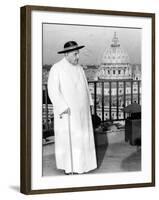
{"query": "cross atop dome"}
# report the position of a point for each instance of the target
(115, 41)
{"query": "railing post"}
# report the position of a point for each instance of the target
(102, 101)
(117, 99)
(95, 100)
(124, 96)
(110, 100)
(46, 106)
(131, 92)
(138, 84)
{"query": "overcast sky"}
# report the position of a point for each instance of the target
(95, 39)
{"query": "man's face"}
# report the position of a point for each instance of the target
(73, 57)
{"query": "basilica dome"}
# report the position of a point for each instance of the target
(115, 62)
(115, 55)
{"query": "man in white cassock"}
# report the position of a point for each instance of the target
(69, 94)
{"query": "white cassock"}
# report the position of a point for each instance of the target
(68, 88)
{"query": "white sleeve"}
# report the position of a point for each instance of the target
(54, 92)
(89, 93)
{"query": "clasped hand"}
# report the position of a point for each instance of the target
(67, 111)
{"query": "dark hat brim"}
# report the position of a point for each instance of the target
(69, 50)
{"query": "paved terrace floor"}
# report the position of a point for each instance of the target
(113, 155)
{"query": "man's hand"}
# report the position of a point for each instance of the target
(67, 111)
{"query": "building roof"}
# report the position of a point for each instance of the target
(115, 54)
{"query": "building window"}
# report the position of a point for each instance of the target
(120, 85)
(120, 91)
(119, 71)
(108, 72)
(113, 71)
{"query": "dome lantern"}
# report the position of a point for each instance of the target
(115, 41)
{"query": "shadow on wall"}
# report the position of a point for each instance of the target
(15, 188)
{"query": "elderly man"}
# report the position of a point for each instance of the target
(69, 93)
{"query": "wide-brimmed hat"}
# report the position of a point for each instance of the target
(70, 46)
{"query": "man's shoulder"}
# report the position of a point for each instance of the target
(57, 65)
(81, 68)
(59, 62)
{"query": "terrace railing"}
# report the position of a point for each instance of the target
(109, 99)
(111, 96)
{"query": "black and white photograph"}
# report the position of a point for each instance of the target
(91, 99)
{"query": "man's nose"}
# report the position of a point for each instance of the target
(77, 55)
